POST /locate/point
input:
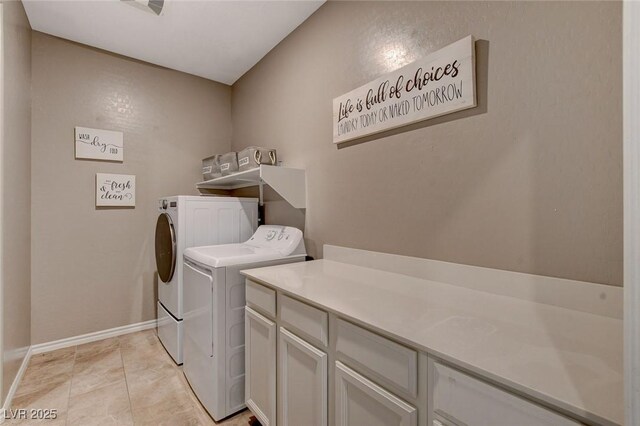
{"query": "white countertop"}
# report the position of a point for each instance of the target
(565, 358)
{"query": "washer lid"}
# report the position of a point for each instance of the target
(230, 254)
(269, 242)
(166, 247)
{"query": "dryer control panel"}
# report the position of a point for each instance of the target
(166, 204)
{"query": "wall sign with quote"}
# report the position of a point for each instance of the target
(115, 190)
(438, 84)
(97, 144)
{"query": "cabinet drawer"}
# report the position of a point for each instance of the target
(383, 359)
(459, 399)
(261, 298)
(311, 322)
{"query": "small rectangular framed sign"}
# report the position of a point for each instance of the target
(97, 144)
(115, 190)
(440, 83)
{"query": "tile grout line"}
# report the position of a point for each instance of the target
(73, 368)
(126, 381)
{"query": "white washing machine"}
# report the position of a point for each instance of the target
(188, 221)
(214, 293)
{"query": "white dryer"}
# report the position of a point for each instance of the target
(188, 221)
(214, 294)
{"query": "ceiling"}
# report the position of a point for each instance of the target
(218, 40)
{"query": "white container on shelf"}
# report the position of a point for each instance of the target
(229, 163)
(211, 167)
(253, 156)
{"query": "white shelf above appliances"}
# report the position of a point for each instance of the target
(289, 183)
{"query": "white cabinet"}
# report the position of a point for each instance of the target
(260, 366)
(330, 371)
(302, 376)
(360, 402)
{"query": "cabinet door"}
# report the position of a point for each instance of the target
(260, 367)
(360, 402)
(302, 376)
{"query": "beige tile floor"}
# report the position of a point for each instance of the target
(126, 380)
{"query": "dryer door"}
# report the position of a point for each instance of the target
(166, 247)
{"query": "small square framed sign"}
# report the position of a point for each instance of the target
(115, 190)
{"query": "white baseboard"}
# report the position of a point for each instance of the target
(16, 382)
(92, 337)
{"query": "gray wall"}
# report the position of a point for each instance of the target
(94, 269)
(529, 181)
(16, 190)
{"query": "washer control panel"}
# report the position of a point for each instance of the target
(282, 238)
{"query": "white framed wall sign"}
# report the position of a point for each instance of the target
(98, 144)
(440, 83)
(115, 190)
